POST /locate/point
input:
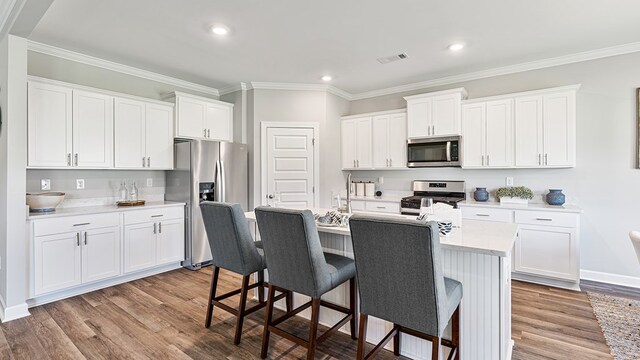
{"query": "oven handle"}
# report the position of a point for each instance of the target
(448, 150)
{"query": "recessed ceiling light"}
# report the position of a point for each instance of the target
(456, 46)
(326, 78)
(220, 30)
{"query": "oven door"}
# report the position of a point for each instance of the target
(434, 152)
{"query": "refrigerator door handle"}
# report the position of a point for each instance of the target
(223, 189)
(218, 182)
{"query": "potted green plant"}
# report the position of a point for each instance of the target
(514, 195)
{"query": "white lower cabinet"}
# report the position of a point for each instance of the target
(68, 252)
(392, 207)
(547, 249)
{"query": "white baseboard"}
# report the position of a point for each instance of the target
(624, 280)
(12, 312)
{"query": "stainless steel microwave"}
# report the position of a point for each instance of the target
(434, 152)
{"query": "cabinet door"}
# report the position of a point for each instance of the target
(170, 245)
(100, 254)
(363, 143)
(473, 134)
(528, 131)
(139, 246)
(380, 141)
(49, 125)
(397, 142)
(129, 117)
(218, 122)
(446, 115)
(559, 129)
(548, 251)
(348, 142)
(190, 118)
(499, 133)
(92, 130)
(418, 118)
(57, 262)
(159, 136)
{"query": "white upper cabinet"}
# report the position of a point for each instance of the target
(363, 143)
(49, 125)
(389, 141)
(92, 130)
(348, 136)
(545, 128)
(202, 118)
(434, 114)
(356, 143)
(143, 135)
(487, 134)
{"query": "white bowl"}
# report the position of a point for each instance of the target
(44, 202)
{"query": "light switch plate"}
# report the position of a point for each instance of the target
(79, 184)
(508, 181)
(45, 184)
(149, 182)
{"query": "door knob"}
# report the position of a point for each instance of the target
(270, 196)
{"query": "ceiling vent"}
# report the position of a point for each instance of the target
(388, 59)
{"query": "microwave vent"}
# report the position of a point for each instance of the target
(388, 59)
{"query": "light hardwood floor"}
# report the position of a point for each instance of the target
(161, 317)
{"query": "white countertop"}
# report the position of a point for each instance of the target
(530, 206)
(387, 198)
(87, 210)
(482, 237)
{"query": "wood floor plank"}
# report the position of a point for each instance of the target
(162, 317)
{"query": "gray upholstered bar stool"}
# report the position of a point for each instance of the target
(233, 249)
(400, 280)
(297, 263)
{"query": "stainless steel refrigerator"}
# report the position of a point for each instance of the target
(206, 170)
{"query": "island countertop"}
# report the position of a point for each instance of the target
(482, 237)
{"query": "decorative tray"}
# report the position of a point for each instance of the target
(130, 203)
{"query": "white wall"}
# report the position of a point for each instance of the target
(13, 161)
(604, 183)
(298, 106)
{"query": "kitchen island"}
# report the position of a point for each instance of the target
(479, 256)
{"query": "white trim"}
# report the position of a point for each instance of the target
(264, 125)
(113, 66)
(5, 12)
(173, 95)
(59, 295)
(12, 312)
(300, 87)
(506, 70)
(524, 93)
(375, 113)
(462, 91)
(233, 88)
(609, 278)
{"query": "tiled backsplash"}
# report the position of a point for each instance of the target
(101, 186)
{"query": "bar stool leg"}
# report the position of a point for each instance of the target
(362, 338)
(212, 294)
(241, 308)
(289, 300)
(313, 331)
(352, 307)
(396, 343)
(261, 287)
(435, 348)
(267, 322)
(455, 332)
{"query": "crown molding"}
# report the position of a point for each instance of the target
(113, 66)
(6, 8)
(233, 88)
(506, 70)
(300, 87)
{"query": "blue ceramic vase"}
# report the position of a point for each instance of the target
(481, 194)
(555, 197)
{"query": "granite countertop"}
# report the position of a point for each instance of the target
(531, 206)
(481, 237)
(88, 210)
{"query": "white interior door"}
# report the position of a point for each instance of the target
(290, 167)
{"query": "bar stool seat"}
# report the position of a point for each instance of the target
(453, 289)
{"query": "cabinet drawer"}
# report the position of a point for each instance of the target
(74, 223)
(486, 214)
(379, 206)
(546, 218)
(141, 216)
(357, 205)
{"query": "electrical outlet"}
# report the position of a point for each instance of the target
(508, 181)
(79, 184)
(149, 182)
(45, 184)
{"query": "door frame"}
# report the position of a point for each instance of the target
(316, 155)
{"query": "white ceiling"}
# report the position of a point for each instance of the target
(298, 41)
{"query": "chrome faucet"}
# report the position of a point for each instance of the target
(348, 200)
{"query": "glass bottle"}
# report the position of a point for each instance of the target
(133, 193)
(123, 191)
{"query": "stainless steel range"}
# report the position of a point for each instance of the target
(449, 192)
